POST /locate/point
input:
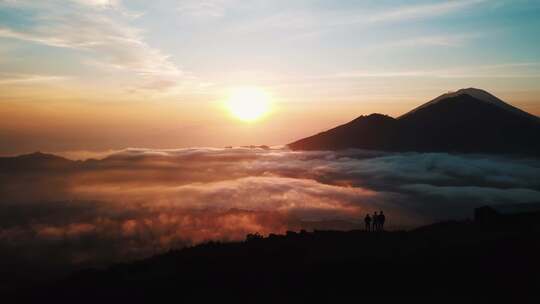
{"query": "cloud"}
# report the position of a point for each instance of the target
(136, 202)
(99, 3)
(482, 195)
(505, 70)
(18, 79)
(313, 22)
(455, 40)
(139, 186)
(85, 154)
(104, 35)
(203, 9)
(421, 11)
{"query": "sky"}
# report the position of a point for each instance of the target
(84, 76)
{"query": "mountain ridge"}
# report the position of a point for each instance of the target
(492, 126)
(478, 94)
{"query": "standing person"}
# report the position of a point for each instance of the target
(382, 218)
(367, 220)
(375, 219)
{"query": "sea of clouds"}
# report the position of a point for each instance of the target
(137, 202)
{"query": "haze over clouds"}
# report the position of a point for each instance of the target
(140, 201)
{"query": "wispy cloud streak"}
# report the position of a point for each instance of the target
(102, 34)
(508, 70)
(421, 11)
(11, 79)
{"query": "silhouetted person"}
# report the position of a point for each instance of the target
(375, 219)
(367, 220)
(381, 220)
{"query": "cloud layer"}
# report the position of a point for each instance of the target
(136, 202)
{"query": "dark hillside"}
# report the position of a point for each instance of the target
(439, 262)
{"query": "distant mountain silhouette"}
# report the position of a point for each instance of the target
(36, 160)
(469, 120)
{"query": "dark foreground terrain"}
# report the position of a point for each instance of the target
(442, 262)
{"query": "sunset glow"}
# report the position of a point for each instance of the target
(249, 103)
(171, 74)
(213, 151)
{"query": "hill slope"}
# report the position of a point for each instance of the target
(445, 259)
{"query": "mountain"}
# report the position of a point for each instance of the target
(469, 120)
(478, 94)
(35, 161)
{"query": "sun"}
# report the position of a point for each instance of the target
(248, 103)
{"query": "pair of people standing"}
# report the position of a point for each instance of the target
(375, 222)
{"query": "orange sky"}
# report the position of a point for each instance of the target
(162, 75)
(68, 125)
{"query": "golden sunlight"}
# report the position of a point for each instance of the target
(248, 103)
